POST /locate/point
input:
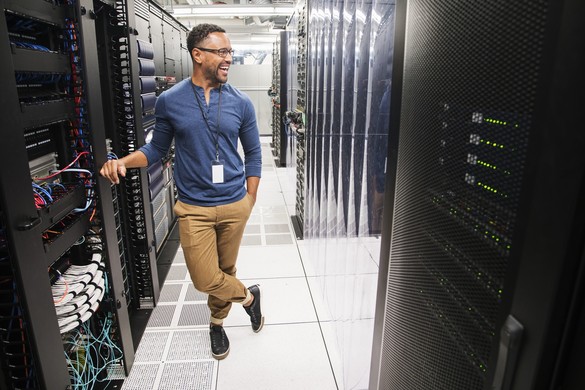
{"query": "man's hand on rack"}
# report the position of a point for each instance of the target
(113, 169)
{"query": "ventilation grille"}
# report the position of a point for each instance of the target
(141, 9)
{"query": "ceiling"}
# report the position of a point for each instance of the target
(249, 22)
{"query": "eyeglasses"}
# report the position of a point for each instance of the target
(220, 52)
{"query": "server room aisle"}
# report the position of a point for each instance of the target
(289, 352)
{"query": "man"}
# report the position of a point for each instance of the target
(216, 192)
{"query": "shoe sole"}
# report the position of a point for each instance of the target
(262, 319)
(221, 356)
(261, 325)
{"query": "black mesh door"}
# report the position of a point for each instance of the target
(470, 79)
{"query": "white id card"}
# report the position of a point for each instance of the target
(216, 172)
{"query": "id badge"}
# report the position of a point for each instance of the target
(216, 172)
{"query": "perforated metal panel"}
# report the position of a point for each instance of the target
(193, 315)
(170, 293)
(151, 347)
(194, 295)
(179, 258)
(143, 377)
(177, 272)
(190, 375)
(470, 78)
(162, 315)
(190, 345)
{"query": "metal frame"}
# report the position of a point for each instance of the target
(94, 102)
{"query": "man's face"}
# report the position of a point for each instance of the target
(214, 67)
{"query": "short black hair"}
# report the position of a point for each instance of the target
(199, 33)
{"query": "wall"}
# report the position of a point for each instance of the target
(255, 80)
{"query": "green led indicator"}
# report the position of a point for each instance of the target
(487, 165)
(495, 121)
(494, 144)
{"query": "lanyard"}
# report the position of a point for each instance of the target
(207, 119)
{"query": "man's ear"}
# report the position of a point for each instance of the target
(196, 55)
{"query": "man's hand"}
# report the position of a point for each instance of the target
(113, 169)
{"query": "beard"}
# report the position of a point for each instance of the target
(213, 75)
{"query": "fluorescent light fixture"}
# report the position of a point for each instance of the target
(182, 11)
(263, 38)
(231, 10)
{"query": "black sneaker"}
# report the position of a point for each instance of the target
(220, 344)
(253, 310)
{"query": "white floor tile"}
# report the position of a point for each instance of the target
(262, 262)
(284, 301)
(283, 357)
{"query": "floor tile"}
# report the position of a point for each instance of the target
(280, 360)
(269, 262)
(284, 301)
(253, 229)
(279, 239)
(251, 240)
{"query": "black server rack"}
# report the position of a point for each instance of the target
(296, 110)
(62, 285)
(274, 94)
(169, 39)
(485, 288)
(280, 84)
(127, 70)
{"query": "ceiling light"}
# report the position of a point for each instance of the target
(231, 10)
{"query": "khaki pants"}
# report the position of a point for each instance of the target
(210, 238)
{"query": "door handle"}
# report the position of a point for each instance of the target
(510, 340)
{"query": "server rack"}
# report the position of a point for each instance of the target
(274, 93)
(125, 76)
(296, 110)
(484, 288)
(281, 82)
(348, 80)
(54, 139)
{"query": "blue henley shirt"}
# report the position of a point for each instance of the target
(178, 116)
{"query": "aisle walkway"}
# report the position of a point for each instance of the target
(289, 352)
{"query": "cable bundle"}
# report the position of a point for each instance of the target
(78, 292)
(90, 354)
(32, 46)
(38, 77)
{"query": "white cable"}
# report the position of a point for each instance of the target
(83, 308)
(82, 297)
(84, 317)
